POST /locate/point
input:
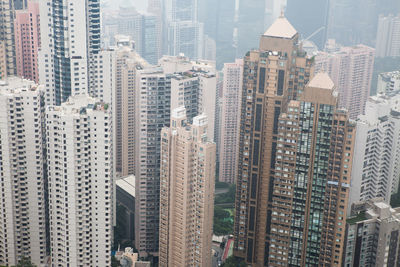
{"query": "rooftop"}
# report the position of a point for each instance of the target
(322, 80)
(127, 184)
(360, 217)
(281, 28)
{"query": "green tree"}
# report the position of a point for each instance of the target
(233, 262)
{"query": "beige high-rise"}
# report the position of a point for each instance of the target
(126, 63)
(186, 192)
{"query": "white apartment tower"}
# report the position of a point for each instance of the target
(230, 121)
(152, 113)
(22, 202)
(188, 162)
(376, 169)
(80, 182)
(388, 82)
(388, 36)
(70, 31)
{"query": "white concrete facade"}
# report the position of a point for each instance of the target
(80, 182)
(388, 82)
(22, 202)
(376, 167)
(388, 36)
(230, 121)
(70, 36)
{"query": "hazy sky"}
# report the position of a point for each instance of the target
(139, 4)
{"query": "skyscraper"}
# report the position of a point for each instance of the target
(27, 41)
(144, 30)
(372, 235)
(311, 179)
(127, 63)
(273, 74)
(376, 171)
(351, 70)
(70, 33)
(80, 182)
(388, 36)
(7, 33)
(230, 121)
(183, 32)
(23, 212)
(186, 192)
(152, 113)
(196, 90)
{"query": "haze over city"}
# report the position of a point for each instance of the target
(204, 133)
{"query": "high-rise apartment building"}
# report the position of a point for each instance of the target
(311, 179)
(388, 36)
(80, 182)
(152, 113)
(388, 82)
(144, 29)
(27, 41)
(23, 211)
(351, 70)
(196, 91)
(230, 121)
(127, 63)
(372, 235)
(7, 10)
(184, 33)
(273, 74)
(3, 61)
(376, 171)
(70, 33)
(188, 162)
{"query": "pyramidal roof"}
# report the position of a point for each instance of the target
(322, 80)
(281, 28)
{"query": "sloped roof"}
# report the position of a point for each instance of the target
(281, 28)
(323, 81)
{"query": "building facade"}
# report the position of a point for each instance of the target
(372, 235)
(23, 224)
(388, 36)
(27, 41)
(230, 121)
(196, 90)
(80, 182)
(152, 113)
(376, 171)
(7, 9)
(311, 179)
(70, 33)
(182, 30)
(274, 74)
(388, 82)
(351, 70)
(188, 161)
(3, 62)
(144, 29)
